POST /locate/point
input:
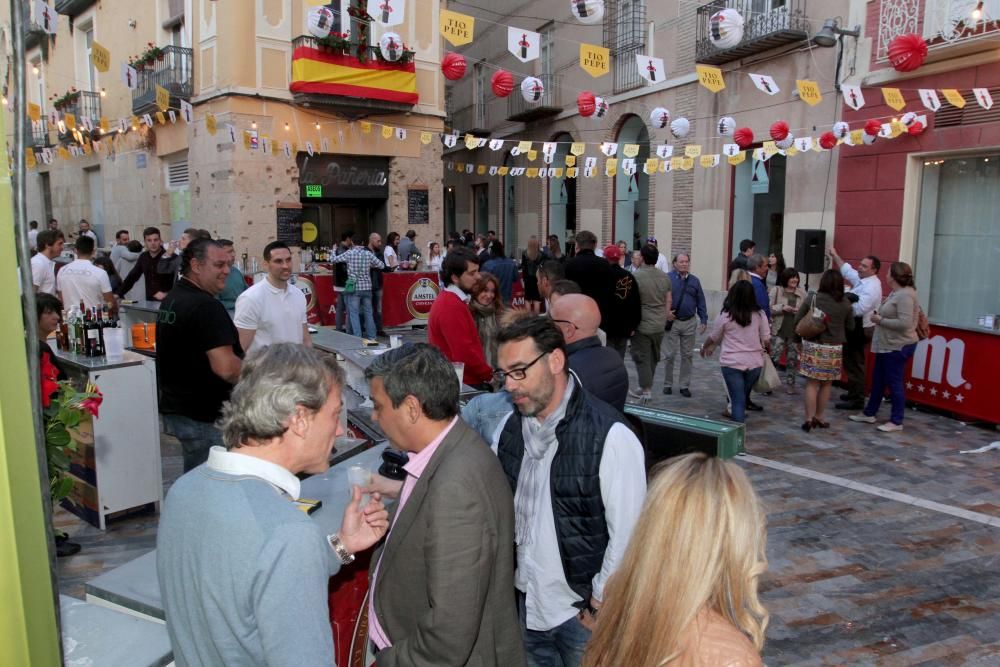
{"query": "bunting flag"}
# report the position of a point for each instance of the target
(853, 96)
(315, 71)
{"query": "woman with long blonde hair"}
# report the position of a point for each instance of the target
(686, 592)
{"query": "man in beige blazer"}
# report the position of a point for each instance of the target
(442, 586)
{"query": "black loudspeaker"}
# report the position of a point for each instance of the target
(810, 250)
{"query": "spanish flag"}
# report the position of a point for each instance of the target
(315, 71)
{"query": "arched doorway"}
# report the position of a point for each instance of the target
(631, 191)
(562, 195)
(508, 194)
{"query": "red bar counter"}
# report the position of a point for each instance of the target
(407, 297)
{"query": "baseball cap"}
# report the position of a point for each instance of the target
(612, 253)
(651, 239)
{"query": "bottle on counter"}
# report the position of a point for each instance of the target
(76, 331)
(62, 333)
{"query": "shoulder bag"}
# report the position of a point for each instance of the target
(812, 324)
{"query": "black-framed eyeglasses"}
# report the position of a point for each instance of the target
(575, 328)
(517, 374)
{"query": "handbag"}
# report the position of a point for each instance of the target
(769, 379)
(812, 324)
(923, 326)
(351, 285)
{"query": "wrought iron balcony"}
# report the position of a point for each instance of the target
(73, 8)
(477, 119)
(33, 34)
(40, 134)
(173, 73)
(522, 111)
(767, 24)
(86, 105)
(943, 23)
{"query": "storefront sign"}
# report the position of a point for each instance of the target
(344, 177)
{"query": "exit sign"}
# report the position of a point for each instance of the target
(314, 191)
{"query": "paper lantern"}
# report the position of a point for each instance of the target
(908, 119)
(502, 83)
(907, 52)
(586, 104)
(841, 129)
(916, 128)
(873, 127)
(600, 108)
(391, 46)
(680, 127)
(827, 140)
(532, 89)
(726, 126)
(743, 137)
(320, 22)
(725, 28)
(779, 130)
(587, 11)
(786, 143)
(659, 118)
(453, 66)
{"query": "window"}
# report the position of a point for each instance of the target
(958, 240)
(480, 84)
(624, 23)
(177, 172)
(39, 83)
(86, 74)
(546, 53)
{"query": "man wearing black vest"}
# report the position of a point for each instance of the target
(579, 481)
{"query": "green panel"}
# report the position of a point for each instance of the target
(28, 634)
(681, 432)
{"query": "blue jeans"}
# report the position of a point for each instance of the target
(739, 383)
(196, 438)
(377, 308)
(562, 646)
(889, 373)
(359, 307)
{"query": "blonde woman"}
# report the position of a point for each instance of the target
(685, 594)
(434, 256)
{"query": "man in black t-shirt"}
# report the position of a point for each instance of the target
(198, 353)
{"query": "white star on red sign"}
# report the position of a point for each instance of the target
(959, 398)
(946, 394)
(909, 385)
(920, 388)
(934, 392)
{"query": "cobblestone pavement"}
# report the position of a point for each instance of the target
(884, 549)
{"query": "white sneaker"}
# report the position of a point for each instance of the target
(889, 427)
(863, 418)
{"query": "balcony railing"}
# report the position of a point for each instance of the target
(87, 105)
(40, 134)
(767, 24)
(520, 110)
(477, 118)
(73, 8)
(943, 23)
(174, 73)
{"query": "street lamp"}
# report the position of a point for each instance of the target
(831, 31)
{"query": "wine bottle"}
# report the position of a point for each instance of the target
(91, 331)
(77, 340)
(101, 349)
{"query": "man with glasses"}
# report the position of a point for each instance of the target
(600, 370)
(579, 480)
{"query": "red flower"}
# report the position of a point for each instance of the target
(93, 404)
(50, 385)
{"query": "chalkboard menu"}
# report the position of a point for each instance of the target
(418, 210)
(290, 225)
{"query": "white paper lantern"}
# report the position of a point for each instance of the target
(727, 125)
(659, 118)
(680, 127)
(587, 11)
(532, 90)
(320, 22)
(786, 143)
(391, 46)
(841, 129)
(909, 118)
(601, 107)
(725, 28)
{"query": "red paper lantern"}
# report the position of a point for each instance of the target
(779, 130)
(873, 127)
(907, 52)
(827, 140)
(453, 66)
(502, 83)
(586, 104)
(916, 128)
(743, 137)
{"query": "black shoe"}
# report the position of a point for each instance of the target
(856, 404)
(685, 392)
(754, 407)
(839, 384)
(64, 547)
(668, 390)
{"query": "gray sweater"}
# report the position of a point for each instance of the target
(243, 574)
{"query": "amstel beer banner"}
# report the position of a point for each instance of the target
(315, 71)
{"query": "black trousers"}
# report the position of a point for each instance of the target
(854, 358)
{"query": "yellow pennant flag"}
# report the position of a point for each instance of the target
(709, 161)
(954, 97)
(387, 131)
(295, 148)
(34, 112)
(532, 154)
(611, 166)
(630, 150)
(100, 56)
(816, 146)
(481, 169)
(557, 172)
(687, 163)
(570, 160)
(532, 172)
(595, 60)
(29, 158)
(809, 92)
(792, 151)
(894, 98)
(105, 126)
(210, 123)
(62, 153)
(86, 148)
(571, 172)
(710, 77)
(425, 138)
(524, 146)
(459, 167)
(578, 148)
(503, 171)
(457, 28)
(652, 165)
(470, 141)
(738, 158)
(770, 148)
(693, 150)
(857, 137)
(160, 118)
(897, 128)
(70, 120)
(162, 98)
(676, 162)
(366, 127)
(248, 139)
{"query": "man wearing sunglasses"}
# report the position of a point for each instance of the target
(579, 480)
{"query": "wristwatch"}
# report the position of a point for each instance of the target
(346, 558)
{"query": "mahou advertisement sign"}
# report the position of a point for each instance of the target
(956, 370)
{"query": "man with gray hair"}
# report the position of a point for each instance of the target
(757, 266)
(442, 586)
(687, 303)
(243, 573)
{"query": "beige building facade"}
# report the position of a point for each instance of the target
(705, 212)
(236, 66)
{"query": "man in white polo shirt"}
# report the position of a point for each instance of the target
(272, 311)
(43, 266)
(82, 280)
